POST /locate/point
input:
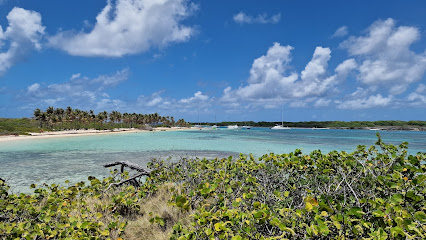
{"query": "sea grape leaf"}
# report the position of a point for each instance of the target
(397, 198)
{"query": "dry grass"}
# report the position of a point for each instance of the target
(141, 228)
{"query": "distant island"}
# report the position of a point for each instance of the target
(367, 125)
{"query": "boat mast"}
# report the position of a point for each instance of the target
(282, 117)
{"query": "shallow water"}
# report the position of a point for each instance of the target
(75, 158)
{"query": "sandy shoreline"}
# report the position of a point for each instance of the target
(77, 133)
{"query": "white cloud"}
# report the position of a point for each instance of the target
(363, 103)
(108, 104)
(416, 99)
(346, 67)
(198, 97)
(271, 82)
(33, 88)
(23, 35)
(298, 104)
(78, 91)
(129, 27)
(385, 56)
(322, 102)
(242, 18)
(198, 102)
(341, 32)
(421, 88)
(77, 75)
(112, 80)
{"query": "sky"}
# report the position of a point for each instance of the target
(213, 61)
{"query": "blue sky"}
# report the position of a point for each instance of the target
(223, 60)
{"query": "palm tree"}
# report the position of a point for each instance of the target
(92, 116)
(59, 112)
(37, 116)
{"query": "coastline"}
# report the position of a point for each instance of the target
(78, 133)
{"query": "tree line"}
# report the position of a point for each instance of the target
(69, 118)
(330, 124)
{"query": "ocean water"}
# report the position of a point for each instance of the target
(55, 160)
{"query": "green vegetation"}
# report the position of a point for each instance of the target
(59, 119)
(394, 125)
(374, 193)
(56, 119)
(11, 126)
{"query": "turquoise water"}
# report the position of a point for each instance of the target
(55, 160)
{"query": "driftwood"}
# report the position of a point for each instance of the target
(141, 172)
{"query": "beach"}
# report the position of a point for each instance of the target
(83, 132)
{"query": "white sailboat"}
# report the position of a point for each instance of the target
(281, 127)
(233, 127)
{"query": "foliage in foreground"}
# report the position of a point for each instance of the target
(369, 194)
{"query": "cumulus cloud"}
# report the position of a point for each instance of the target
(198, 97)
(416, 99)
(198, 102)
(23, 35)
(340, 32)
(77, 91)
(366, 102)
(272, 80)
(242, 18)
(129, 27)
(385, 58)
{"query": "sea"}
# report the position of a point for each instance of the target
(55, 160)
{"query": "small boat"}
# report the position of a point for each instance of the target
(233, 127)
(245, 127)
(214, 127)
(281, 127)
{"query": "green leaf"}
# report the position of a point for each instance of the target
(378, 213)
(256, 204)
(420, 216)
(323, 229)
(395, 231)
(283, 227)
(337, 225)
(258, 214)
(356, 211)
(105, 232)
(217, 226)
(237, 237)
(308, 206)
(208, 232)
(397, 198)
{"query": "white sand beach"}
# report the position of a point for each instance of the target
(81, 132)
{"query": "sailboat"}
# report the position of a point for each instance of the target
(281, 127)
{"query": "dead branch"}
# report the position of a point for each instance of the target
(141, 172)
(128, 164)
